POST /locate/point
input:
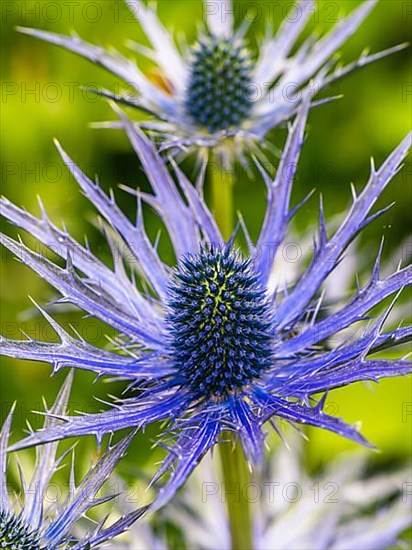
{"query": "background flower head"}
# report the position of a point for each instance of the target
(263, 352)
(216, 93)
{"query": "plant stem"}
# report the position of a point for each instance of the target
(236, 478)
(236, 473)
(222, 197)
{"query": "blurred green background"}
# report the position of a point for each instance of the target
(371, 119)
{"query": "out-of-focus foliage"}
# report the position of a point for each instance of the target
(41, 99)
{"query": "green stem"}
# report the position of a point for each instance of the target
(236, 473)
(236, 478)
(222, 197)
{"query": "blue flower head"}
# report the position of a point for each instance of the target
(219, 323)
(38, 523)
(217, 93)
(210, 346)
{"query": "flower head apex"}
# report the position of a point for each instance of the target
(38, 523)
(210, 345)
(217, 93)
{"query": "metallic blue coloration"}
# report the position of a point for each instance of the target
(219, 321)
(218, 90)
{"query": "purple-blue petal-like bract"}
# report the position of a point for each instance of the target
(209, 345)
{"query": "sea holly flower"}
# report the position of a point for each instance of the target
(209, 346)
(217, 93)
(41, 522)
